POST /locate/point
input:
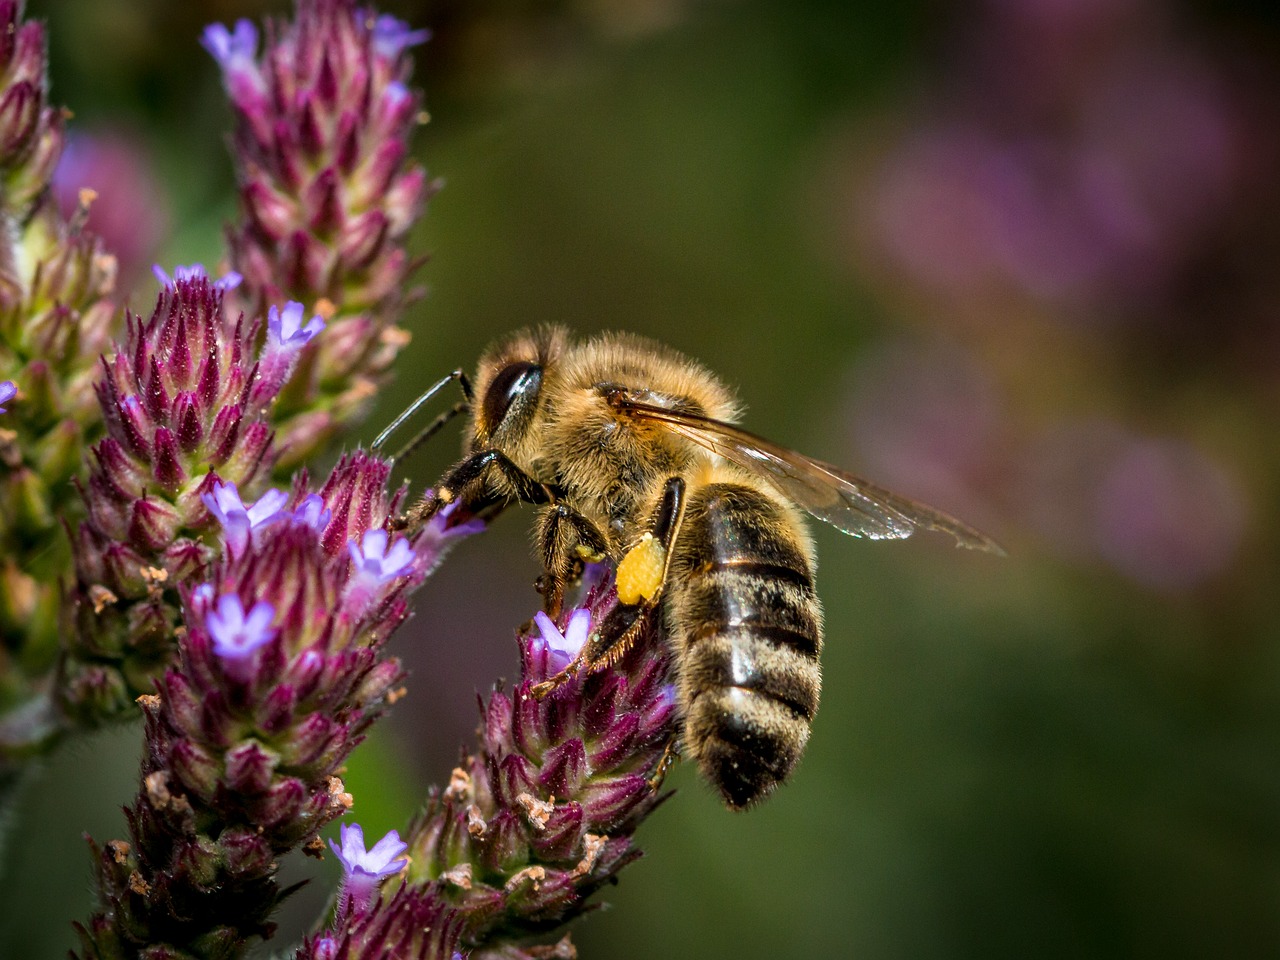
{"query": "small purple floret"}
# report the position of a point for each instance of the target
(8, 390)
(239, 521)
(196, 271)
(232, 50)
(374, 563)
(392, 35)
(312, 512)
(362, 870)
(564, 647)
(285, 329)
(384, 860)
(440, 529)
(235, 634)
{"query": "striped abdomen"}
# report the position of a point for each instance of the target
(747, 630)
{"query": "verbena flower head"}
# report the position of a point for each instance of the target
(409, 923)
(31, 130)
(329, 192)
(542, 815)
(277, 679)
(185, 413)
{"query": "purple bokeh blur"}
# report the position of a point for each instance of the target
(132, 211)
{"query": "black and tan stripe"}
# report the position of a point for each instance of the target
(748, 632)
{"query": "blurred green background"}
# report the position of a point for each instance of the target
(1017, 258)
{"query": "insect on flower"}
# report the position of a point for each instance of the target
(630, 451)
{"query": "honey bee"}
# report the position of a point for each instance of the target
(631, 453)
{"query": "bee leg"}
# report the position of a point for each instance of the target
(472, 479)
(625, 622)
(670, 754)
(623, 625)
(567, 539)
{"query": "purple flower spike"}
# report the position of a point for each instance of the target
(179, 399)
(564, 647)
(363, 869)
(239, 521)
(8, 390)
(196, 271)
(391, 36)
(275, 682)
(285, 329)
(542, 815)
(374, 563)
(234, 51)
(329, 192)
(236, 634)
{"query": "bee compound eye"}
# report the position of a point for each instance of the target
(513, 381)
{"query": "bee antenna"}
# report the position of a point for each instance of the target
(432, 428)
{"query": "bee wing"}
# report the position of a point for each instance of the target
(847, 502)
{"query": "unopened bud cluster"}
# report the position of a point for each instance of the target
(31, 130)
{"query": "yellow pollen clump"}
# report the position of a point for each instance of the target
(640, 572)
(588, 554)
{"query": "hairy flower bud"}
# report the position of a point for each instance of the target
(30, 129)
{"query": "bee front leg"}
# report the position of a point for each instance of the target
(487, 475)
(640, 578)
